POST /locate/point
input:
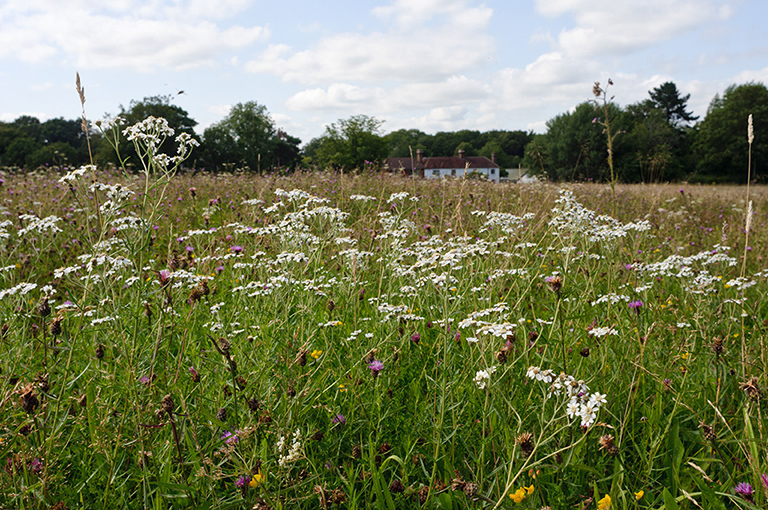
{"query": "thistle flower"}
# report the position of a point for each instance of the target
(375, 366)
(635, 305)
(745, 490)
(242, 481)
(339, 419)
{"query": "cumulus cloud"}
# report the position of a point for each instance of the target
(604, 27)
(125, 34)
(424, 40)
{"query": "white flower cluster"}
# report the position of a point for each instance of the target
(3, 226)
(506, 222)
(294, 453)
(361, 198)
(570, 216)
(483, 377)
(396, 197)
(20, 289)
(581, 403)
(602, 331)
(498, 330)
(74, 174)
(39, 225)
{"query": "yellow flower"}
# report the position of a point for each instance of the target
(685, 355)
(257, 479)
(315, 354)
(518, 496)
(529, 489)
(605, 503)
(638, 495)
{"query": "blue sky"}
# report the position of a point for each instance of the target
(435, 65)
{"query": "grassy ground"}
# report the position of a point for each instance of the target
(369, 341)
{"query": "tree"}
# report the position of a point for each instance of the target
(247, 137)
(404, 143)
(654, 144)
(668, 99)
(721, 142)
(575, 146)
(352, 144)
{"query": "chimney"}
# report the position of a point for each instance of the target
(461, 153)
(419, 156)
(493, 157)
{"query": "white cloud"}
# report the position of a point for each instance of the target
(455, 90)
(605, 27)
(173, 35)
(426, 40)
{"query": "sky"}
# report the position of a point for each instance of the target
(433, 65)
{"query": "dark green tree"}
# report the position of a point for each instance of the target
(653, 144)
(575, 146)
(352, 144)
(721, 141)
(667, 98)
(404, 143)
(247, 137)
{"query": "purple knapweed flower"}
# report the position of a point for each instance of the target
(764, 479)
(242, 481)
(635, 305)
(36, 465)
(230, 437)
(744, 490)
(376, 366)
(416, 338)
(339, 419)
(236, 248)
(144, 380)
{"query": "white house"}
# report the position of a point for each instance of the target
(446, 166)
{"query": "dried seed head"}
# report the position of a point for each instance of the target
(55, 327)
(596, 89)
(99, 351)
(41, 382)
(241, 382)
(752, 389)
(709, 433)
(385, 448)
(525, 442)
(423, 493)
(224, 345)
(301, 359)
(532, 336)
(585, 352)
(44, 310)
(4, 330)
(501, 356)
(396, 487)
(356, 451)
(317, 436)
(221, 414)
(29, 401)
(470, 489)
(717, 346)
(555, 283)
(607, 444)
(254, 404)
(167, 404)
(331, 305)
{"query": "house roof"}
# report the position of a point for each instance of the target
(441, 162)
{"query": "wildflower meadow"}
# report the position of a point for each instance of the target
(177, 339)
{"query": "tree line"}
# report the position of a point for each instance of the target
(657, 139)
(654, 140)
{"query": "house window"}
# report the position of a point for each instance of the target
(436, 173)
(493, 171)
(453, 171)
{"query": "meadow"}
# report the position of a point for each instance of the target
(173, 339)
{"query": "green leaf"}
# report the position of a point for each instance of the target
(669, 500)
(444, 501)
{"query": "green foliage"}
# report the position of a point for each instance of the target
(352, 144)
(247, 137)
(721, 141)
(154, 329)
(667, 98)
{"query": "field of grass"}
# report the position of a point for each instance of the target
(370, 341)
